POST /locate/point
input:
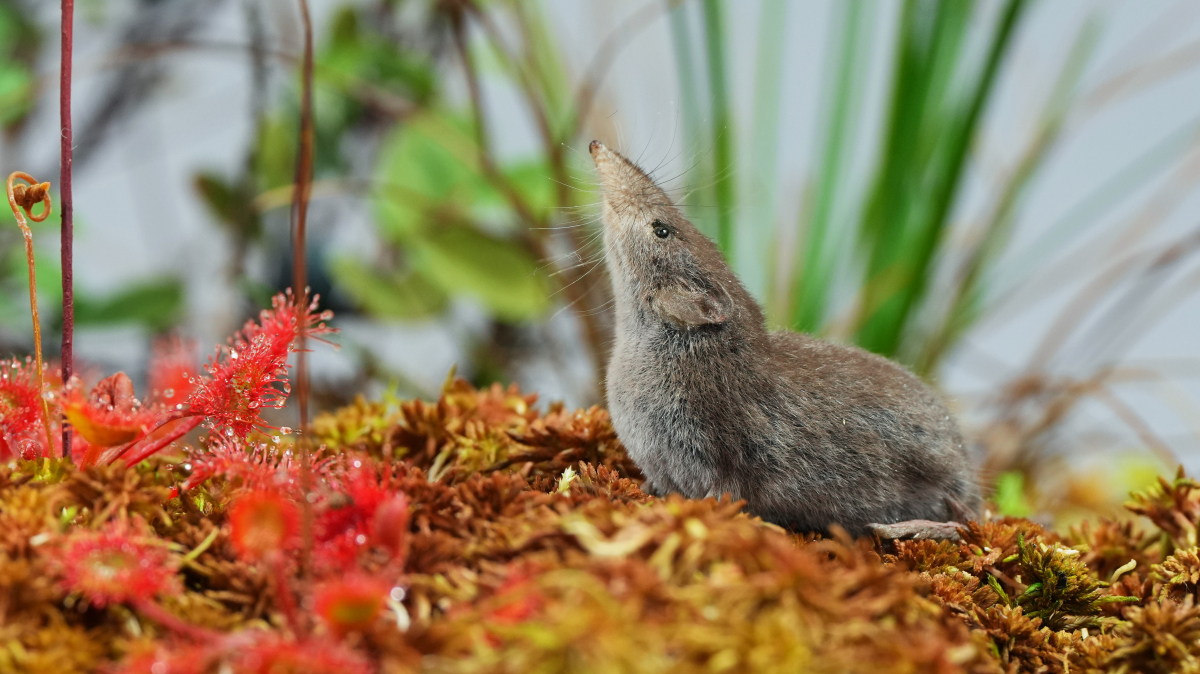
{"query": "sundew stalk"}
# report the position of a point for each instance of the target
(68, 207)
(300, 194)
(22, 199)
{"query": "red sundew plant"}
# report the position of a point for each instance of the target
(253, 466)
(264, 522)
(273, 655)
(389, 527)
(350, 603)
(264, 653)
(348, 523)
(173, 372)
(20, 408)
(250, 374)
(242, 379)
(110, 415)
(117, 564)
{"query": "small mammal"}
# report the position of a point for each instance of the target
(707, 401)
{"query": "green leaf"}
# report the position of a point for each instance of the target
(499, 273)
(231, 203)
(428, 170)
(386, 295)
(995, 584)
(275, 156)
(722, 124)
(355, 55)
(1010, 495)
(930, 132)
(533, 181)
(156, 304)
(16, 93)
(820, 240)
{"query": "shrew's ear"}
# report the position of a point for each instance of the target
(688, 308)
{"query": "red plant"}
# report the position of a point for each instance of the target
(173, 372)
(252, 375)
(517, 599)
(245, 377)
(363, 511)
(273, 655)
(110, 415)
(117, 564)
(351, 603)
(263, 522)
(251, 466)
(159, 659)
(20, 409)
(389, 527)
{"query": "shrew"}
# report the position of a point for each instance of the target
(709, 402)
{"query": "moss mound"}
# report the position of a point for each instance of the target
(530, 548)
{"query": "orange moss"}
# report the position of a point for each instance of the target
(497, 538)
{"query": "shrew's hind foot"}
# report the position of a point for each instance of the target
(916, 530)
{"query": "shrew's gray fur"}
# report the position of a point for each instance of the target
(708, 402)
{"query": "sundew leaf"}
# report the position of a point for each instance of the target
(402, 296)
(499, 273)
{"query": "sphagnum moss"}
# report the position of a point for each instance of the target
(527, 546)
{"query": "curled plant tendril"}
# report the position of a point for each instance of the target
(22, 199)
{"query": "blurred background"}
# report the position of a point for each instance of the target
(1000, 194)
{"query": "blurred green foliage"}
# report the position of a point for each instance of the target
(156, 304)
(19, 43)
(1009, 495)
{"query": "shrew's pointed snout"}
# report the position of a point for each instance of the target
(625, 186)
(615, 170)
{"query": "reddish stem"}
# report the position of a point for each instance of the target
(150, 449)
(21, 207)
(158, 614)
(300, 194)
(68, 207)
(283, 592)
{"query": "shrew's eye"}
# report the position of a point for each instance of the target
(660, 230)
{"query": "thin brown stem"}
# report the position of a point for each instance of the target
(283, 593)
(22, 199)
(68, 206)
(486, 162)
(1135, 422)
(304, 174)
(577, 294)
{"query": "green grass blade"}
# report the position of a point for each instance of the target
(815, 277)
(722, 124)
(885, 325)
(964, 307)
(917, 132)
(692, 111)
(909, 83)
(753, 241)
